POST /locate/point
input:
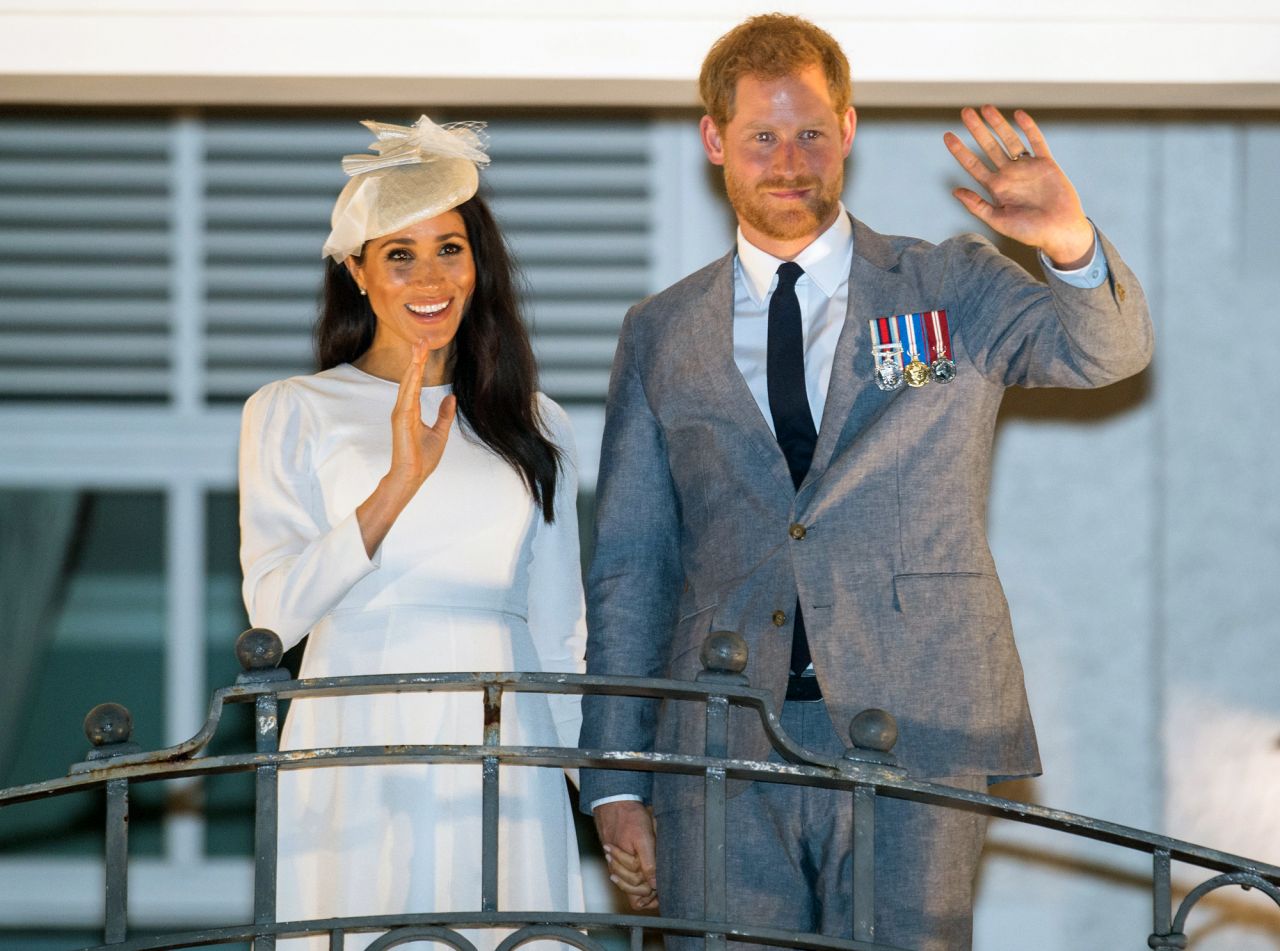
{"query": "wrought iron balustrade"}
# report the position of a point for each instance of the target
(867, 770)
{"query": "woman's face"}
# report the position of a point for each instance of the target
(419, 281)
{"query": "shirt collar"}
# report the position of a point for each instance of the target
(825, 261)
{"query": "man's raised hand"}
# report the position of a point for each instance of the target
(1031, 199)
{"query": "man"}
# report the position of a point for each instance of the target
(766, 470)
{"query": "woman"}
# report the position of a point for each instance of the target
(397, 545)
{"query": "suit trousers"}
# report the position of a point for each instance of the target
(790, 858)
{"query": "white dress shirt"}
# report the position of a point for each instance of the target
(823, 293)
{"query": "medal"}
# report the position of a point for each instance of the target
(887, 352)
(914, 349)
(889, 367)
(916, 372)
(943, 367)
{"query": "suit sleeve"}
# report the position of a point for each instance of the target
(1021, 332)
(296, 565)
(556, 617)
(633, 584)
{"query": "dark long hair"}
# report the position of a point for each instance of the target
(495, 377)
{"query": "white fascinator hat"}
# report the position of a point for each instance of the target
(419, 171)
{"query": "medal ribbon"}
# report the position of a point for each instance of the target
(877, 335)
(918, 339)
(883, 336)
(939, 335)
(906, 326)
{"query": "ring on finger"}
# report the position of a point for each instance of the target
(1020, 155)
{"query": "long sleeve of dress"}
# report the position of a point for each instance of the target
(297, 565)
(557, 617)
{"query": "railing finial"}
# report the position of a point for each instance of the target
(724, 658)
(259, 649)
(109, 727)
(108, 724)
(873, 732)
(874, 729)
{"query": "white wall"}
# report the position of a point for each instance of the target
(625, 52)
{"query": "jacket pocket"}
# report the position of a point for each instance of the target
(950, 594)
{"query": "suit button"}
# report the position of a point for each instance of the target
(797, 531)
(779, 618)
(1121, 293)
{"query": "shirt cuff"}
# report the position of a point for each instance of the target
(621, 797)
(1094, 274)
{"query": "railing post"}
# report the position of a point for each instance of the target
(259, 652)
(874, 732)
(864, 863)
(1162, 933)
(724, 657)
(117, 862)
(1162, 893)
(109, 727)
(489, 801)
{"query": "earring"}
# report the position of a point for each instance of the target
(363, 292)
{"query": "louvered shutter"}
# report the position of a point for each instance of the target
(144, 258)
(573, 200)
(85, 240)
(269, 187)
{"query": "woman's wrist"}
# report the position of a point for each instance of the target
(379, 511)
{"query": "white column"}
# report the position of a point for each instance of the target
(692, 224)
(186, 289)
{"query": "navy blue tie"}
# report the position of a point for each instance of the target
(784, 371)
(789, 405)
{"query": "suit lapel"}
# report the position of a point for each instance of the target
(712, 343)
(876, 289)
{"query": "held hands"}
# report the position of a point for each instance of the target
(626, 831)
(416, 449)
(1032, 200)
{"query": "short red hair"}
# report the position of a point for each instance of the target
(771, 46)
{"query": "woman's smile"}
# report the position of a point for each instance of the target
(428, 310)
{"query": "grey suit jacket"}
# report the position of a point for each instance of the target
(901, 600)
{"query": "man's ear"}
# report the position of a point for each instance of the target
(712, 143)
(848, 126)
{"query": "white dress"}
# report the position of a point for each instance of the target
(469, 578)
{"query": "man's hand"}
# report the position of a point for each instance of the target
(626, 831)
(1032, 201)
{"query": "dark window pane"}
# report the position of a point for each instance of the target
(101, 639)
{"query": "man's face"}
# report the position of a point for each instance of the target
(783, 154)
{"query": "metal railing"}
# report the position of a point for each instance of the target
(867, 770)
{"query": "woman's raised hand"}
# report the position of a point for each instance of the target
(416, 449)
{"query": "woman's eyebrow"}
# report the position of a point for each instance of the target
(410, 241)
